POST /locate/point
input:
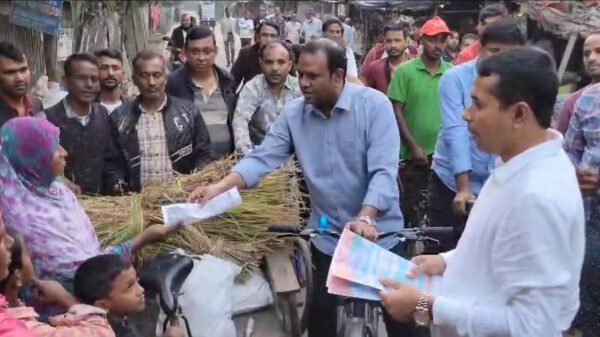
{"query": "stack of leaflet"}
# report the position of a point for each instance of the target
(358, 266)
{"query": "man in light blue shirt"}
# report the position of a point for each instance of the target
(349, 33)
(459, 168)
(311, 27)
(341, 135)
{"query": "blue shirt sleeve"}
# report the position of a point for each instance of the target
(582, 140)
(274, 151)
(383, 147)
(454, 132)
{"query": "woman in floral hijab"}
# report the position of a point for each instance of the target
(42, 210)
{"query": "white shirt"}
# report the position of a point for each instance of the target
(83, 120)
(352, 67)
(292, 30)
(110, 107)
(312, 29)
(227, 24)
(349, 35)
(246, 27)
(516, 269)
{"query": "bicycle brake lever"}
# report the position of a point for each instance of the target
(436, 241)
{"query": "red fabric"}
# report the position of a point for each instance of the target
(27, 102)
(155, 13)
(468, 54)
(434, 27)
(373, 76)
(563, 118)
(413, 50)
(373, 55)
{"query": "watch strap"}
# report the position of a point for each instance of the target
(367, 219)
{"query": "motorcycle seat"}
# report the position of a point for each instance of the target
(164, 276)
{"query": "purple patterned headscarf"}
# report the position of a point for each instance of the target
(28, 144)
(41, 209)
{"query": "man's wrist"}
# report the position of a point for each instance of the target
(367, 220)
(464, 190)
(413, 147)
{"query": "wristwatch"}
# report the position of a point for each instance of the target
(421, 314)
(367, 219)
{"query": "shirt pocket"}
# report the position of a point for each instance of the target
(350, 153)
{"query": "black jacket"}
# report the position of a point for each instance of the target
(85, 145)
(188, 142)
(247, 65)
(179, 84)
(7, 113)
(177, 38)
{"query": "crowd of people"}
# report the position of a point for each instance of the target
(429, 118)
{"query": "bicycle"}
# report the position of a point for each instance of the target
(355, 317)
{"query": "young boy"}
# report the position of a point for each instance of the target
(20, 321)
(110, 283)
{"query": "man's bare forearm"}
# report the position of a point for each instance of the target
(232, 180)
(405, 133)
(463, 182)
(369, 211)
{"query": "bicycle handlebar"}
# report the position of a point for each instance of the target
(412, 234)
(437, 230)
(285, 229)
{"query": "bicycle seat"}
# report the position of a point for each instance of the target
(164, 276)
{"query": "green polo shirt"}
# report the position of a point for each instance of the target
(414, 86)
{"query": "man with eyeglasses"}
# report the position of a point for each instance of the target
(209, 87)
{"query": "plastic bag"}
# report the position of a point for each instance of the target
(252, 294)
(206, 298)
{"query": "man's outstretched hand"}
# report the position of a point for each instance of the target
(203, 194)
(428, 265)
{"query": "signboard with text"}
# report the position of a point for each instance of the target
(43, 15)
(208, 9)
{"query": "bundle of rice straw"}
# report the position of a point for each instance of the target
(239, 235)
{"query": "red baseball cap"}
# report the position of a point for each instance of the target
(434, 27)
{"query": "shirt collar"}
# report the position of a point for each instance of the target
(71, 113)
(27, 103)
(421, 66)
(343, 103)
(505, 171)
(160, 108)
(288, 83)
